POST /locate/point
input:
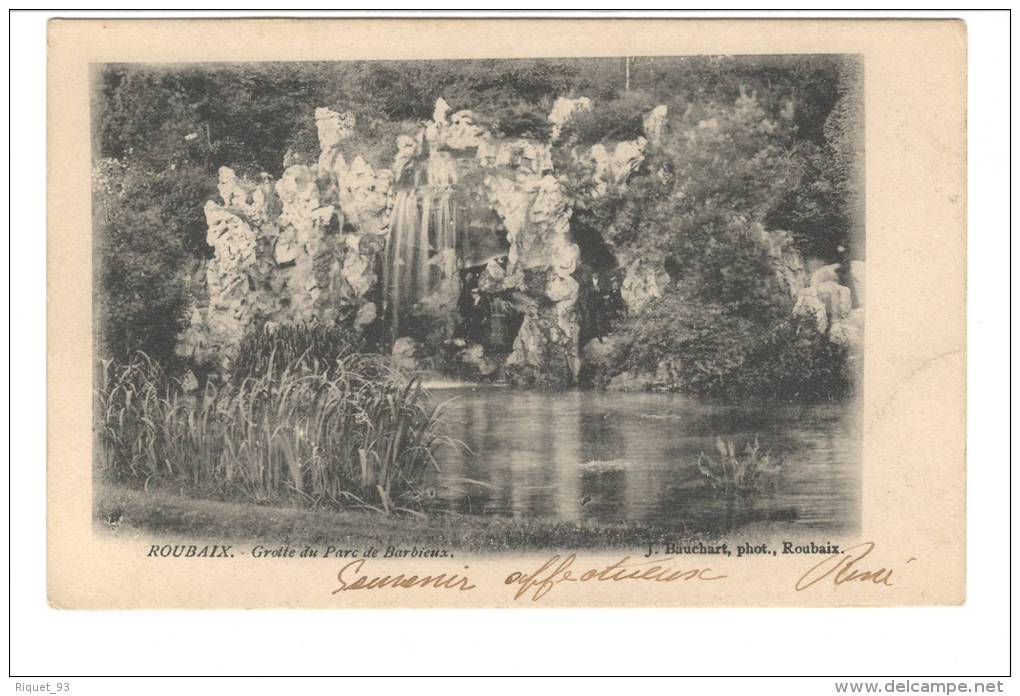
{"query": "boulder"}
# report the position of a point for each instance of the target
(357, 269)
(787, 263)
(366, 314)
(600, 351)
(302, 249)
(831, 306)
(530, 158)
(405, 353)
(825, 274)
(627, 157)
(364, 195)
(809, 305)
(440, 111)
(216, 329)
(668, 374)
(654, 123)
(612, 169)
(836, 298)
(849, 331)
(231, 237)
(473, 358)
(631, 381)
(442, 301)
(234, 192)
(643, 281)
(563, 108)
(407, 149)
(332, 128)
(857, 282)
(463, 134)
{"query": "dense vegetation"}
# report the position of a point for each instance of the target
(352, 432)
(697, 209)
(752, 143)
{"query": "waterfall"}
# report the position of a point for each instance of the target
(423, 225)
(399, 268)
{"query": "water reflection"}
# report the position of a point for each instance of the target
(632, 458)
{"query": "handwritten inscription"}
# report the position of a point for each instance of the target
(540, 582)
(851, 565)
(845, 567)
(351, 578)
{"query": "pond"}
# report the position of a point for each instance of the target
(580, 456)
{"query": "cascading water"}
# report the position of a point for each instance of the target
(423, 236)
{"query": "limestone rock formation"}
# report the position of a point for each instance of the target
(836, 299)
(332, 129)
(407, 149)
(364, 195)
(454, 132)
(526, 157)
(473, 359)
(234, 192)
(599, 351)
(612, 168)
(302, 239)
(834, 307)
(440, 111)
(281, 254)
(809, 305)
(541, 263)
(825, 274)
(405, 353)
(563, 108)
(631, 381)
(857, 281)
(787, 264)
(849, 331)
(229, 277)
(643, 281)
(463, 134)
(308, 247)
(654, 123)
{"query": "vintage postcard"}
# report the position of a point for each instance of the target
(360, 313)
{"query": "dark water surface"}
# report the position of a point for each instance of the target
(623, 457)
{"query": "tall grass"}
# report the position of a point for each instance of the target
(272, 350)
(353, 433)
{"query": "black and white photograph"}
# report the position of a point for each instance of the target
(544, 343)
(486, 305)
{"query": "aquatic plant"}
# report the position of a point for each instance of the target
(739, 475)
(360, 434)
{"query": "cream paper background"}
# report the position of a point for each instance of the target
(913, 497)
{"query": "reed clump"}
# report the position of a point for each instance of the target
(739, 475)
(348, 430)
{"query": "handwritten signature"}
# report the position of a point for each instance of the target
(560, 569)
(846, 567)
